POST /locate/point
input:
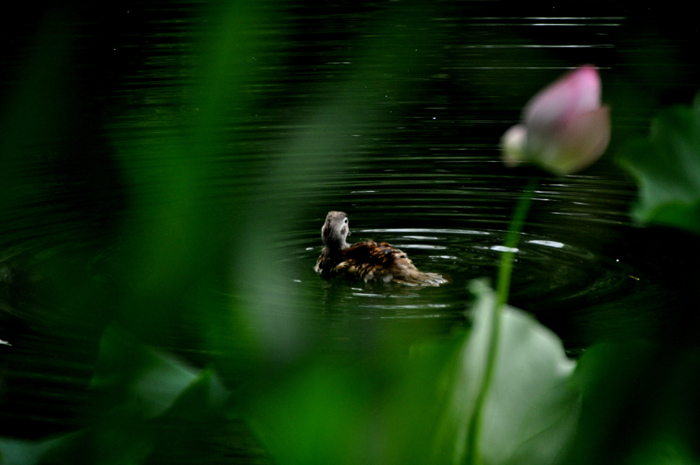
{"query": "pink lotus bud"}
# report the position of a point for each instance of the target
(565, 128)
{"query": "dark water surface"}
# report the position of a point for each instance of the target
(391, 113)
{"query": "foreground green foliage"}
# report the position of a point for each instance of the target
(424, 416)
(667, 165)
(149, 400)
(328, 413)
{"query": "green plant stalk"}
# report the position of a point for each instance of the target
(505, 271)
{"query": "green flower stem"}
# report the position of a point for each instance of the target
(502, 291)
(516, 226)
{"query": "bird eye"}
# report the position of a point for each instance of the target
(345, 221)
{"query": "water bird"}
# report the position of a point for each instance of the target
(368, 261)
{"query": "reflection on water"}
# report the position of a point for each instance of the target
(402, 112)
(552, 279)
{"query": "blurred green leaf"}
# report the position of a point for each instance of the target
(206, 392)
(664, 450)
(161, 383)
(162, 407)
(119, 436)
(667, 167)
(532, 407)
(641, 400)
(319, 416)
(194, 421)
(328, 414)
(19, 452)
(134, 372)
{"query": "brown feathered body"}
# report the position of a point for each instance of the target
(368, 261)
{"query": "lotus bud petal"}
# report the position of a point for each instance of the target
(565, 128)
